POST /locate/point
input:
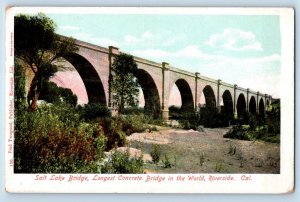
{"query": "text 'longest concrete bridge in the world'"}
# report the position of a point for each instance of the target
(93, 64)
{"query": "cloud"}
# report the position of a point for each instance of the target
(173, 39)
(188, 52)
(257, 73)
(68, 28)
(101, 41)
(133, 40)
(234, 40)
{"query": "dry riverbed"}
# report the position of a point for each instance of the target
(191, 151)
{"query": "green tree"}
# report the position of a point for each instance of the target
(37, 46)
(273, 117)
(124, 85)
(53, 93)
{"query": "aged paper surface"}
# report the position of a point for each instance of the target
(235, 61)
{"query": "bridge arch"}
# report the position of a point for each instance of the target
(89, 76)
(241, 105)
(187, 101)
(252, 105)
(261, 106)
(227, 104)
(210, 99)
(150, 91)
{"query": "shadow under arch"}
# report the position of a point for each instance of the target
(152, 101)
(228, 104)
(187, 101)
(210, 98)
(241, 105)
(261, 107)
(89, 76)
(252, 106)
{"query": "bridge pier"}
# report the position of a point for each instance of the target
(235, 115)
(165, 90)
(165, 114)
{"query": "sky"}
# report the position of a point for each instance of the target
(243, 50)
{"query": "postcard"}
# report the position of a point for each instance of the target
(149, 100)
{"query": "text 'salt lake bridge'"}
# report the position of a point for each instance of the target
(93, 64)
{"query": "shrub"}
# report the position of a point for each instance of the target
(219, 167)
(92, 111)
(175, 112)
(117, 128)
(201, 159)
(155, 153)
(166, 162)
(237, 132)
(132, 111)
(185, 124)
(121, 162)
(252, 122)
(113, 132)
(207, 116)
(43, 145)
(66, 113)
(273, 118)
(210, 117)
(132, 124)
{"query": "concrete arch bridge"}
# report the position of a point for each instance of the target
(93, 64)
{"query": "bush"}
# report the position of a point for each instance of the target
(155, 153)
(43, 145)
(113, 132)
(132, 124)
(209, 117)
(121, 162)
(237, 132)
(247, 133)
(185, 124)
(252, 122)
(175, 112)
(132, 111)
(273, 118)
(93, 111)
(67, 114)
(117, 128)
(166, 162)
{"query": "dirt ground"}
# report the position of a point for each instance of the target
(191, 151)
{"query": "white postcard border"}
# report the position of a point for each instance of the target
(259, 183)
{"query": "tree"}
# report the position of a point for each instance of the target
(124, 85)
(53, 93)
(37, 46)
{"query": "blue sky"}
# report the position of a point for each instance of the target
(243, 50)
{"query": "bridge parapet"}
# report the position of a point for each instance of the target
(91, 46)
(226, 84)
(205, 78)
(180, 71)
(241, 88)
(147, 62)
